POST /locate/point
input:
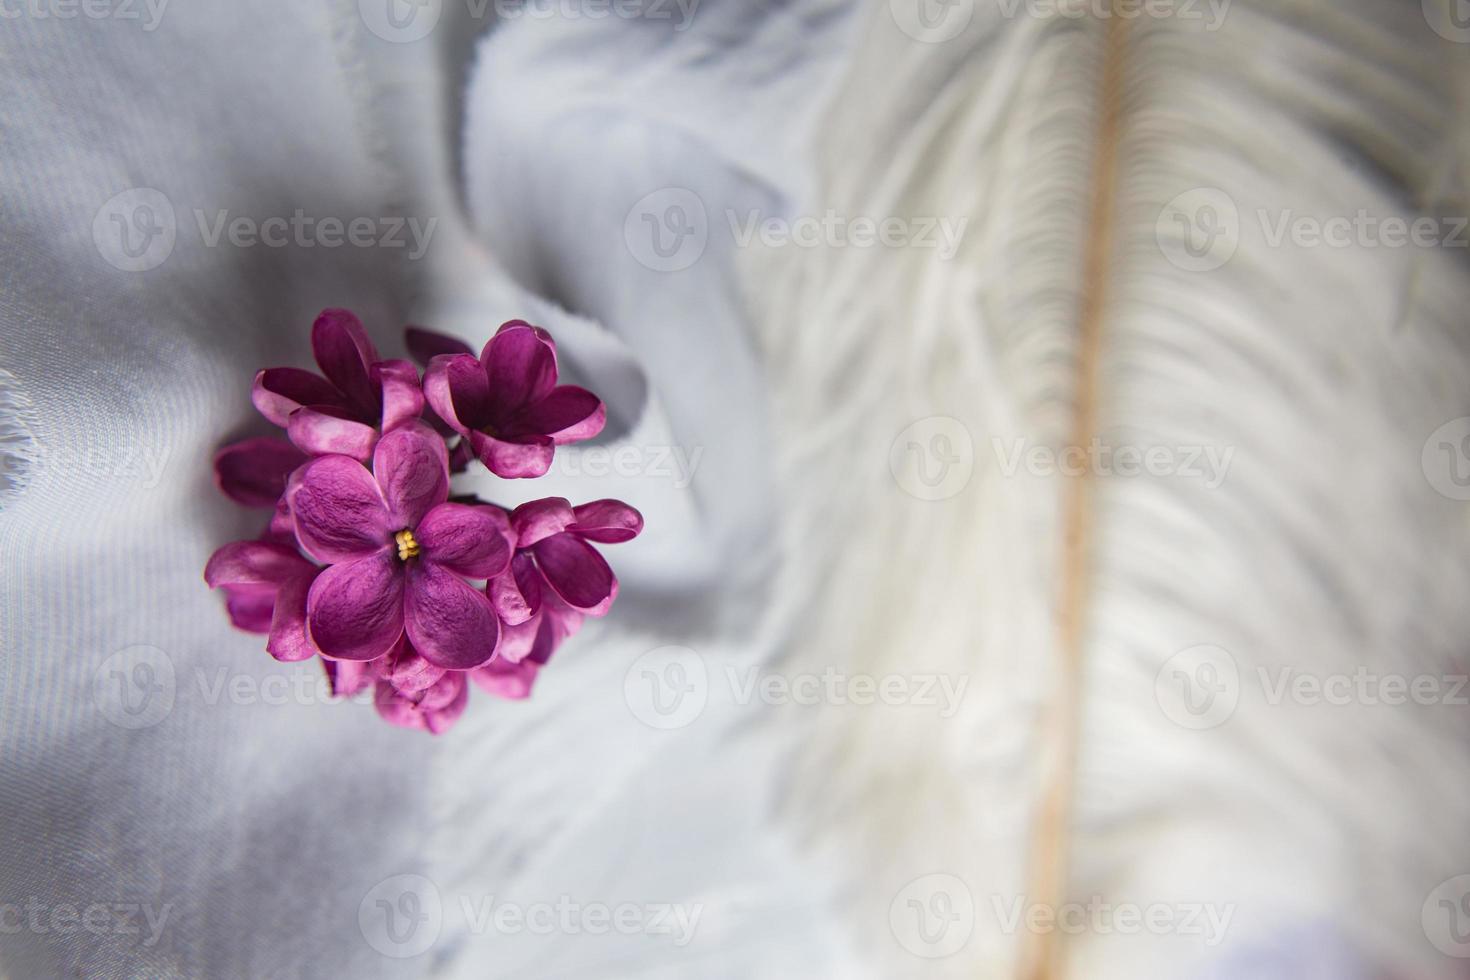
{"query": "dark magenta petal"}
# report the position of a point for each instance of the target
(513, 460)
(425, 345)
(408, 672)
(520, 362)
(434, 710)
(449, 622)
(577, 572)
(412, 468)
(253, 472)
(517, 642)
(511, 605)
(281, 529)
(277, 392)
(539, 519)
(457, 390)
(607, 521)
(568, 414)
(505, 679)
(529, 580)
(469, 540)
(344, 353)
(338, 511)
(560, 621)
(402, 396)
(250, 606)
(354, 610)
(253, 563)
(322, 431)
(289, 640)
(347, 677)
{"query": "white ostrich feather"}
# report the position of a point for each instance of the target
(1312, 835)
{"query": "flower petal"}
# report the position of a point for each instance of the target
(289, 641)
(425, 345)
(253, 472)
(473, 541)
(513, 460)
(250, 606)
(538, 519)
(567, 414)
(577, 572)
(324, 431)
(408, 672)
(607, 521)
(347, 677)
(402, 396)
(253, 563)
(458, 391)
(435, 710)
(449, 622)
(520, 362)
(337, 509)
(277, 392)
(511, 605)
(354, 611)
(507, 680)
(412, 468)
(344, 353)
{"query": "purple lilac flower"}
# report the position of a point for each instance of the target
(357, 395)
(557, 577)
(398, 554)
(362, 486)
(266, 579)
(507, 403)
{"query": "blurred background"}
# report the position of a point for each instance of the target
(1051, 420)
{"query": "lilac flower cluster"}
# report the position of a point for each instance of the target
(370, 564)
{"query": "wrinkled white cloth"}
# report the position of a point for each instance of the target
(173, 802)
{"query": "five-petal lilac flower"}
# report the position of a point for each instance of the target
(507, 402)
(557, 577)
(398, 554)
(357, 395)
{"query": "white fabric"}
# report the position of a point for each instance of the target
(256, 832)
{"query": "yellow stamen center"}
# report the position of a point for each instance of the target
(408, 547)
